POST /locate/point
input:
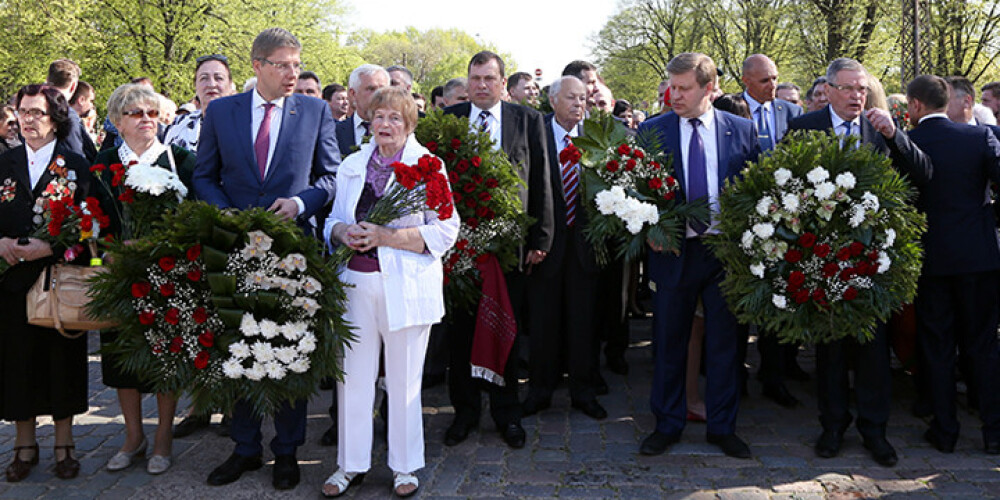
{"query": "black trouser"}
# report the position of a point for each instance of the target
(612, 304)
(872, 383)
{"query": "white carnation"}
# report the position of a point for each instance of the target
(609, 200)
(764, 206)
(857, 215)
(779, 301)
(154, 180)
(782, 175)
(824, 190)
(232, 369)
(747, 239)
(300, 365)
(790, 202)
(262, 352)
(757, 270)
(255, 372)
(870, 201)
(846, 180)
(240, 350)
(890, 237)
(248, 326)
(269, 329)
(763, 230)
(883, 262)
(818, 175)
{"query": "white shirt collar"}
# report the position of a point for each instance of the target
(45, 153)
(838, 121)
(560, 133)
(973, 121)
(707, 118)
(753, 104)
(357, 120)
(38, 161)
(494, 111)
(259, 101)
(933, 115)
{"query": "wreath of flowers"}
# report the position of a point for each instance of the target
(225, 305)
(819, 242)
(485, 188)
(629, 193)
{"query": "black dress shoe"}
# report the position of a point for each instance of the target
(233, 468)
(457, 432)
(617, 364)
(658, 442)
(533, 405)
(286, 472)
(779, 394)
(591, 408)
(939, 442)
(223, 428)
(730, 444)
(992, 447)
(600, 385)
(329, 437)
(190, 424)
(882, 452)
(828, 444)
(514, 435)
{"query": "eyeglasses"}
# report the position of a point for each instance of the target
(214, 57)
(283, 66)
(138, 113)
(12, 123)
(35, 113)
(849, 89)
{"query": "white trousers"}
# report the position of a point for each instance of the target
(404, 365)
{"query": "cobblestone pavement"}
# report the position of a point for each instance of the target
(568, 455)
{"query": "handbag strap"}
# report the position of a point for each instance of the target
(54, 307)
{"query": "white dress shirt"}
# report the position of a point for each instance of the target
(494, 121)
(838, 124)
(769, 106)
(359, 129)
(38, 161)
(258, 117)
(560, 134)
(708, 138)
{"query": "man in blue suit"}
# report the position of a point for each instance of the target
(708, 147)
(771, 115)
(958, 293)
(275, 149)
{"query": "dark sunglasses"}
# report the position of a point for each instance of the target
(137, 113)
(213, 57)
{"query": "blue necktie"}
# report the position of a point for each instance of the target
(847, 133)
(764, 128)
(697, 171)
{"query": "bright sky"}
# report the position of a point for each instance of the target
(542, 34)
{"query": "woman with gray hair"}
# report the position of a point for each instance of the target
(134, 110)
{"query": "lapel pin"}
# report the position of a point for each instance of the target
(729, 133)
(291, 111)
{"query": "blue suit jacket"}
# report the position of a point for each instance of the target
(345, 136)
(304, 162)
(736, 139)
(783, 111)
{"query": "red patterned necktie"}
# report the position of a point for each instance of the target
(263, 142)
(571, 184)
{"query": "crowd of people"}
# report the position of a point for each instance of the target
(321, 157)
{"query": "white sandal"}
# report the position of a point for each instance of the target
(342, 481)
(124, 459)
(400, 480)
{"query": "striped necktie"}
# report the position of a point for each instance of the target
(571, 184)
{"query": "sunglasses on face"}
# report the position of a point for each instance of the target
(138, 113)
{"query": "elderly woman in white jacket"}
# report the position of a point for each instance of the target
(397, 295)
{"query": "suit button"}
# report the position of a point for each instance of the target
(260, 193)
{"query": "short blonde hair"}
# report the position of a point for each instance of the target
(396, 99)
(127, 96)
(701, 64)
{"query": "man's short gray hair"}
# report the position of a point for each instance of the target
(453, 85)
(401, 69)
(842, 64)
(270, 40)
(556, 85)
(364, 70)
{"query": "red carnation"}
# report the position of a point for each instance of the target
(453, 177)
(207, 339)
(147, 318)
(637, 153)
(193, 253)
(455, 143)
(793, 255)
(476, 161)
(194, 275)
(654, 165)
(655, 183)
(167, 264)
(569, 154)
(472, 222)
(801, 296)
(630, 165)
(201, 360)
(432, 146)
(847, 273)
(819, 295)
(462, 166)
(485, 196)
(857, 248)
(458, 197)
(492, 183)
(175, 344)
(830, 269)
(624, 149)
(851, 293)
(612, 166)
(796, 279)
(821, 250)
(844, 254)
(478, 179)
(406, 175)
(462, 244)
(807, 240)
(449, 156)
(98, 168)
(469, 187)
(671, 182)
(128, 196)
(470, 202)
(873, 255)
(200, 315)
(481, 212)
(167, 289)
(141, 289)
(173, 316)
(668, 195)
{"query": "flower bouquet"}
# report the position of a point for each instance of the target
(819, 242)
(140, 194)
(226, 305)
(629, 193)
(486, 188)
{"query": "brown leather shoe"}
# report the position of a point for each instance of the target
(19, 469)
(68, 467)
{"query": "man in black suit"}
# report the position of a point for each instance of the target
(520, 132)
(760, 76)
(847, 86)
(562, 292)
(362, 84)
(958, 293)
(64, 75)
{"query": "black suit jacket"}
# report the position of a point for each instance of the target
(16, 214)
(78, 140)
(961, 232)
(907, 158)
(522, 137)
(345, 136)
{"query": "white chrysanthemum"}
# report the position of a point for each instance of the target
(269, 329)
(757, 270)
(764, 206)
(154, 180)
(286, 354)
(310, 285)
(255, 372)
(790, 202)
(763, 230)
(249, 326)
(818, 175)
(240, 350)
(857, 215)
(846, 180)
(779, 301)
(259, 240)
(307, 343)
(300, 365)
(292, 331)
(232, 369)
(890, 237)
(782, 175)
(884, 262)
(747, 240)
(870, 201)
(824, 190)
(262, 352)
(275, 370)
